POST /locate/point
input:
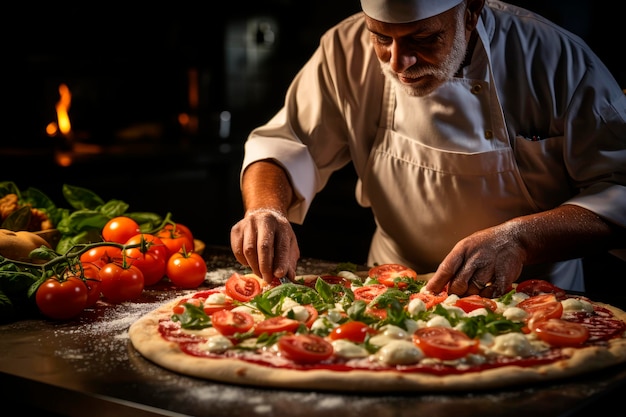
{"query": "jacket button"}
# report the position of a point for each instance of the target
(488, 134)
(476, 88)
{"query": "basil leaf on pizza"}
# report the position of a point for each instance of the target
(382, 332)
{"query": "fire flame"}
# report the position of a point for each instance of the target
(62, 108)
(62, 124)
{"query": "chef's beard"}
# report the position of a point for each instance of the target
(437, 75)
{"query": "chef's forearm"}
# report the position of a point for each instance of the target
(265, 185)
(566, 232)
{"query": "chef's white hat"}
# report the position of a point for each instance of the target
(404, 11)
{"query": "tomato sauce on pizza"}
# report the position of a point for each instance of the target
(332, 330)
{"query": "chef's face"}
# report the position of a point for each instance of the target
(420, 56)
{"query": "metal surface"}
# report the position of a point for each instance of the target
(89, 368)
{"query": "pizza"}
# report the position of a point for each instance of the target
(379, 331)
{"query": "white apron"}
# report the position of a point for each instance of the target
(441, 168)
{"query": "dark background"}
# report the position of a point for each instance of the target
(129, 74)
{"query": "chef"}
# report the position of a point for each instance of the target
(489, 143)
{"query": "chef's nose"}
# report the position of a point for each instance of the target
(401, 57)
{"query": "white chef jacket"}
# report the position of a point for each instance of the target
(563, 119)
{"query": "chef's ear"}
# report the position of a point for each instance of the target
(472, 11)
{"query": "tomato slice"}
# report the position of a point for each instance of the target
(242, 287)
(444, 343)
(474, 302)
(543, 306)
(388, 274)
(311, 280)
(355, 331)
(313, 315)
(180, 307)
(275, 325)
(368, 292)
(305, 348)
(557, 332)
(429, 298)
(211, 308)
(229, 322)
(540, 308)
(540, 286)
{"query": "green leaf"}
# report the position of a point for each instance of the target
(113, 208)
(192, 318)
(9, 187)
(82, 220)
(37, 199)
(81, 198)
(148, 222)
(18, 220)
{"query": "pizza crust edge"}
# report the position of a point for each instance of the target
(145, 338)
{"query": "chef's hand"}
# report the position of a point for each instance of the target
(485, 263)
(265, 241)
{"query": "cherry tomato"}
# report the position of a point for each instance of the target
(275, 325)
(186, 269)
(120, 229)
(367, 293)
(387, 274)
(150, 257)
(444, 343)
(229, 322)
(242, 287)
(175, 237)
(539, 286)
(91, 274)
(101, 255)
(474, 302)
(62, 298)
(119, 283)
(557, 332)
(355, 331)
(305, 348)
(429, 298)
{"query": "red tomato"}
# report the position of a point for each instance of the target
(186, 269)
(557, 332)
(175, 237)
(150, 257)
(305, 348)
(355, 331)
(120, 229)
(539, 286)
(101, 255)
(242, 287)
(429, 298)
(209, 309)
(180, 307)
(368, 292)
(229, 322)
(62, 299)
(275, 325)
(540, 308)
(91, 274)
(444, 343)
(313, 315)
(543, 305)
(474, 302)
(119, 283)
(311, 280)
(387, 274)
